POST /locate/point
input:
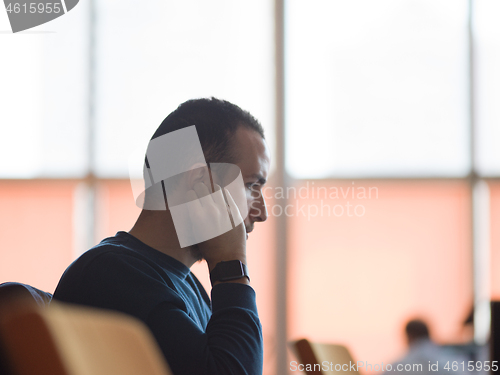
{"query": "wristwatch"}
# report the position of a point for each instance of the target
(230, 270)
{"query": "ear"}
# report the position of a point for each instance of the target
(199, 173)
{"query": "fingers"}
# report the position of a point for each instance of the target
(191, 196)
(235, 212)
(218, 197)
(195, 203)
(216, 202)
(201, 190)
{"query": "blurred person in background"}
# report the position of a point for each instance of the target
(423, 355)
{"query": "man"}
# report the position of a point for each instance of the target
(145, 272)
(424, 356)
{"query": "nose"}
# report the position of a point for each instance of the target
(258, 209)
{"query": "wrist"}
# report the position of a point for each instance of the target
(230, 271)
(212, 262)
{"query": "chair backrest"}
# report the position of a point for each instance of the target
(318, 358)
(69, 340)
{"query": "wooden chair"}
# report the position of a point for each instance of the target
(322, 359)
(67, 340)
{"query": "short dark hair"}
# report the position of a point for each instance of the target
(216, 122)
(416, 329)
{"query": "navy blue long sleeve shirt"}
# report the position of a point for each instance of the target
(196, 336)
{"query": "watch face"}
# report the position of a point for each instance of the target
(231, 269)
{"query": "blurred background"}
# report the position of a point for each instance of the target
(383, 118)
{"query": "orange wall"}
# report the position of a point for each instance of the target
(36, 231)
(495, 239)
(354, 280)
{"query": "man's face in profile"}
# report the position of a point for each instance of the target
(250, 157)
(254, 160)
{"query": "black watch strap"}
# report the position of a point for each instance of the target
(230, 270)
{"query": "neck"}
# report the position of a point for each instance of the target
(156, 229)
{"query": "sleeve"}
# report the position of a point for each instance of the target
(231, 344)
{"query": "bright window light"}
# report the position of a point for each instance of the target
(43, 96)
(377, 88)
(487, 85)
(152, 58)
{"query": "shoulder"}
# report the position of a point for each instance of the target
(116, 254)
(113, 276)
(108, 256)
